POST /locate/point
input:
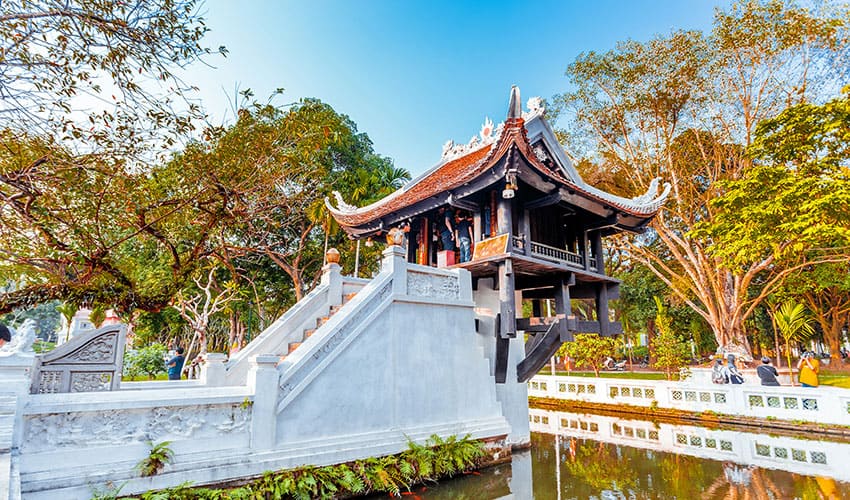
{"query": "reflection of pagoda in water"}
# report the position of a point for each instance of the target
(740, 451)
(537, 226)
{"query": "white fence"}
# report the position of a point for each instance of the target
(826, 405)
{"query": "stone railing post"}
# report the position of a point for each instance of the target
(332, 277)
(213, 369)
(264, 382)
(395, 262)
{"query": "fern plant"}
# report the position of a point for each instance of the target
(158, 457)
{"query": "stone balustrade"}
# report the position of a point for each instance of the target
(826, 405)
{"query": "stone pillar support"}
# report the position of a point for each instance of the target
(332, 277)
(394, 261)
(213, 370)
(264, 382)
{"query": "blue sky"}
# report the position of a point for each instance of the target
(415, 74)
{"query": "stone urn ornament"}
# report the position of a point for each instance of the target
(395, 237)
(332, 256)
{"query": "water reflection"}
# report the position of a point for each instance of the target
(579, 456)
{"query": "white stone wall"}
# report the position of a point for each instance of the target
(409, 363)
(512, 395)
(400, 361)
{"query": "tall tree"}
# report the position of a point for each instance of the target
(790, 209)
(684, 107)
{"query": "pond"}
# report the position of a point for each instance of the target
(580, 456)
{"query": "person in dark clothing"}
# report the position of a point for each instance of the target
(767, 373)
(447, 229)
(175, 365)
(5, 335)
(464, 237)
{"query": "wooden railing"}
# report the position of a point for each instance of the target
(518, 242)
(547, 252)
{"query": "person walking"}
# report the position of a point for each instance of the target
(809, 368)
(767, 373)
(175, 365)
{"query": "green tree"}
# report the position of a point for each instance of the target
(590, 350)
(789, 210)
(670, 352)
(148, 360)
(794, 325)
(684, 107)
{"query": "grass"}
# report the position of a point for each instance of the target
(144, 378)
(835, 378)
(607, 374)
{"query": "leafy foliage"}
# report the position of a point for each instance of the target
(794, 325)
(671, 353)
(148, 360)
(159, 456)
(60, 57)
(589, 349)
(436, 459)
(684, 107)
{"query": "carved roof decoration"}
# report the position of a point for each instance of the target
(462, 163)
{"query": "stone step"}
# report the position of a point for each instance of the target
(293, 346)
(309, 333)
(348, 297)
(335, 309)
(321, 321)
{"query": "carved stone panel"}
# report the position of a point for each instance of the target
(90, 381)
(433, 285)
(100, 350)
(116, 427)
(91, 361)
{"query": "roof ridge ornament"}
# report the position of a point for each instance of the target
(536, 107)
(342, 206)
(488, 135)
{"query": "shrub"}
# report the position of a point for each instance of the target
(149, 360)
(159, 456)
(436, 459)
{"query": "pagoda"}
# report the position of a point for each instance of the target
(537, 228)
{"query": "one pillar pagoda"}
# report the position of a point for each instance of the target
(537, 229)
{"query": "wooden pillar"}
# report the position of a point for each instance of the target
(583, 251)
(506, 275)
(597, 252)
(425, 240)
(493, 217)
(602, 309)
(563, 306)
(525, 230)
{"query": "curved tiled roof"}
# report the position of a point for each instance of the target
(476, 158)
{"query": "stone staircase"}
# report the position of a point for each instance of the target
(307, 333)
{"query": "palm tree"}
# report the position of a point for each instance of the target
(794, 325)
